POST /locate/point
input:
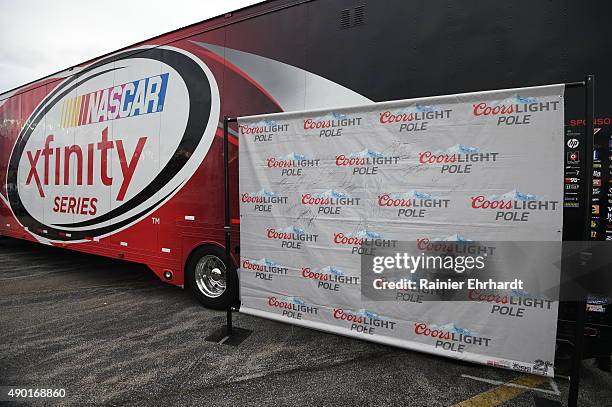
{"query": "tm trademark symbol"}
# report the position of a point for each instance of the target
(156, 221)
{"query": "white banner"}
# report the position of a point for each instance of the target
(476, 166)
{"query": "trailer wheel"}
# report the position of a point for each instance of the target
(206, 277)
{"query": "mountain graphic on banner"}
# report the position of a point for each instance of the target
(515, 195)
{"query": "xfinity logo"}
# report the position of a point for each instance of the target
(97, 154)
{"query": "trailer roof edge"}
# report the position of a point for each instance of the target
(289, 3)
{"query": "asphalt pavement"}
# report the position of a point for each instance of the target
(110, 333)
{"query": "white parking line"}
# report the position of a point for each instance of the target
(554, 386)
(555, 390)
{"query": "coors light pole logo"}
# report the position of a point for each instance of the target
(329, 278)
(458, 159)
(451, 337)
(415, 118)
(513, 303)
(329, 202)
(363, 321)
(264, 269)
(513, 206)
(292, 164)
(292, 307)
(263, 200)
(331, 125)
(362, 241)
(411, 204)
(514, 111)
(365, 162)
(264, 130)
(90, 160)
(291, 237)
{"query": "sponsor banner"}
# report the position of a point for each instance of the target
(321, 189)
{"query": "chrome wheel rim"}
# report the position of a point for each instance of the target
(210, 276)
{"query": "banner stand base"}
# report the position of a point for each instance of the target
(235, 338)
(544, 402)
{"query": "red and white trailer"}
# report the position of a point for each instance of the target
(121, 156)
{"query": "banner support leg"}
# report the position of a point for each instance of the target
(572, 399)
(228, 335)
(227, 227)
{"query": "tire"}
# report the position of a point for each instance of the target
(205, 275)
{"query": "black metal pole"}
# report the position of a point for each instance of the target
(227, 227)
(572, 400)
